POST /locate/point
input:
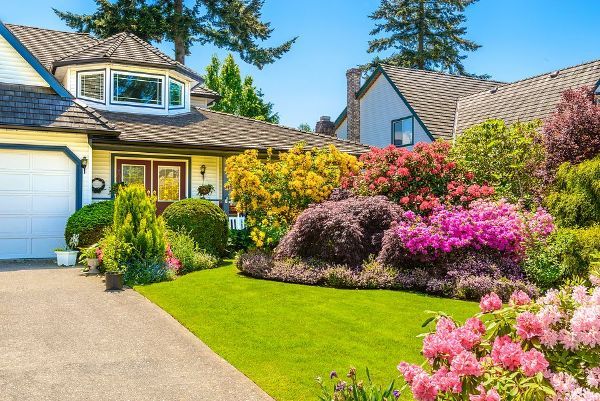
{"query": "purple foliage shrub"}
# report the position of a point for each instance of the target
(345, 232)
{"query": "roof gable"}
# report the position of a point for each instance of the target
(33, 62)
(527, 99)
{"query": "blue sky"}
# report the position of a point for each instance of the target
(519, 38)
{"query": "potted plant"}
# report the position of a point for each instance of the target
(114, 277)
(205, 189)
(68, 256)
(89, 257)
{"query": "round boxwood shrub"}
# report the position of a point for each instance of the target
(89, 222)
(202, 220)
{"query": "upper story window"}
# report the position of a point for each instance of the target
(176, 95)
(91, 85)
(403, 131)
(140, 89)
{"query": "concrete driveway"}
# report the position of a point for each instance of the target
(62, 337)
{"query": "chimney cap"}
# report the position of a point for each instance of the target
(325, 118)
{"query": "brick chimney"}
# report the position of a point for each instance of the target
(325, 126)
(353, 107)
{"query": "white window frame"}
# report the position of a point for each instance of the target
(412, 133)
(162, 78)
(183, 94)
(81, 74)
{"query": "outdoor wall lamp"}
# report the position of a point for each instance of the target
(203, 170)
(84, 163)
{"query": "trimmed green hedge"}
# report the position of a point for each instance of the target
(202, 220)
(89, 222)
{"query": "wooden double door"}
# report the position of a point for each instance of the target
(164, 178)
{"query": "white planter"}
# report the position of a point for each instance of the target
(93, 265)
(66, 258)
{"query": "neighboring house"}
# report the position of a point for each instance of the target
(403, 106)
(78, 115)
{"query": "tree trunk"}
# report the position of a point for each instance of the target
(178, 39)
(421, 36)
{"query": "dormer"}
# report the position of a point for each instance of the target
(123, 73)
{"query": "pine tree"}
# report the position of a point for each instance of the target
(305, 127)
(423, 34)
(231, 24)
(239, 97)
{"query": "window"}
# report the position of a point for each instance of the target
(137, 88)
(91, 85)
(133, 174)
(175, 94)
(168, 183)
(403, 131)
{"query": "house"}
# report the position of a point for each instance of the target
(78, 115)
(403, 106)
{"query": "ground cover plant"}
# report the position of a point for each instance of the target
(283, 335)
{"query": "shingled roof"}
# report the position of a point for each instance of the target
(125, 48)
(48, 45)
(40, 107)
(201, 91)
(207, 129)
(433, 95)
(525, 100)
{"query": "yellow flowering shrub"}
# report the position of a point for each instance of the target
(273, 191)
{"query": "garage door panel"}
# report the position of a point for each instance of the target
(43, 225)
(14, 225)
(52, 183)
(15, 160)
(14, 181)
(14, 247)
(44, 247)
(10, 203)
(53, 204)
(51, 161)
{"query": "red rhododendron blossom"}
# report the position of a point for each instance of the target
(490, 302)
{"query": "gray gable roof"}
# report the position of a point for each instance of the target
(433, 95)
(525, 100)
(41, 108)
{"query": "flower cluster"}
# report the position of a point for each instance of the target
(543, 350)
(171, 261)
(483, 224)
(273, 192)
(420, 180)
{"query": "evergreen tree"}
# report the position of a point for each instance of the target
(423, 34)
(305, 127)
(239, 97)
(232, 24)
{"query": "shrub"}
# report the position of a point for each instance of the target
(572, 133)
(340, 232)
(273, 192)
(189, 257)
(136, 241)
(89, 222)
(502, 156)
(420, 180)
(239, 240)
(204, 221)
(499, 226)
(575, 197)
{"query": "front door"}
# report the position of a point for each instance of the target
(165, 179)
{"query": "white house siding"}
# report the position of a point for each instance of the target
(199, 102)
(214, 172)
(342, 131)
(77, 143)
(14, 69)
(379, 106)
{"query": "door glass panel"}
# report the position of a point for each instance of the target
(168, 183)
(133, 174)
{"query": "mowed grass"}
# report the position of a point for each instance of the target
(282, 335)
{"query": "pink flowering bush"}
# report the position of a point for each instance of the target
(547, 350)
(499, 226)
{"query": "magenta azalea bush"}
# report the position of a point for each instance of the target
(545, 350)
(500, 226)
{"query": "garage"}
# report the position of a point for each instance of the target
(37, 196)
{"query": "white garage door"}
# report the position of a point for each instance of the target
(37, 196)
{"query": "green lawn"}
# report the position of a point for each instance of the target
(284, 335)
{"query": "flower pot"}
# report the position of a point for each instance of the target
(93, 266)
(66, 258)
(114, 281)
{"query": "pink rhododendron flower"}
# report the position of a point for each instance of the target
(529, 326)
(467, 337)
(475, 325)
(519, 298)
(447, 381)
(585, 325)
(466, 364)
(409, 371)
(593, 377)
(532, 362)
(506, 353)
(445, 325)
(490, 303)
(424, 388)
(489, 395)
(439, 346)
